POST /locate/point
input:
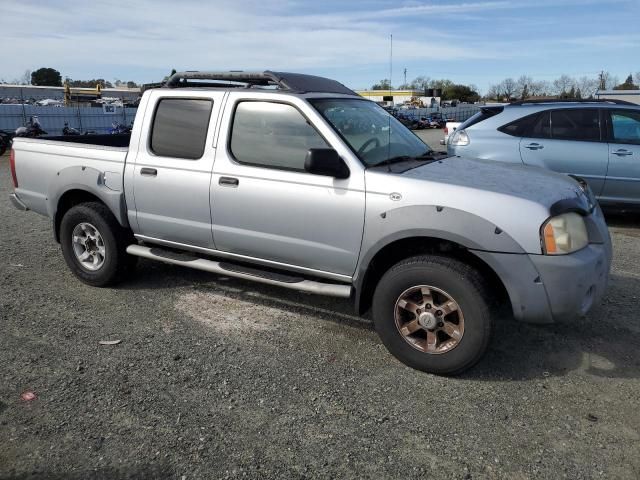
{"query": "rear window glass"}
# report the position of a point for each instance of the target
(180, 127)
(481, 116)
(581, 124)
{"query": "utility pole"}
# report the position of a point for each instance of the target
(405, 76)
(602, 81)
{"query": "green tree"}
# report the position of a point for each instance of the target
(47, 77)
(383, 84)
(460, 92)
(627, 85)
(89, 83)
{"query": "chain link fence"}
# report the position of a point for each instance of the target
(18, 106)
(458, 113)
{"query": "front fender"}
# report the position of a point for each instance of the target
(454, 225)
(429, 221)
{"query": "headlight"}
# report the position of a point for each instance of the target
(459, 139)
(564, 234)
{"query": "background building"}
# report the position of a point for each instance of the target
(632, 96)
(418, 98)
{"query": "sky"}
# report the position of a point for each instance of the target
(469, 42)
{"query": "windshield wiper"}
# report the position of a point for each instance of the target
(428, 155)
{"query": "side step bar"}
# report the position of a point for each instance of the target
(247, 273)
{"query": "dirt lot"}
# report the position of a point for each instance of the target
(218, 378)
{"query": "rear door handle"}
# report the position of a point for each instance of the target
(622, 152)
(228, 181)
(148, 172)
(534, 146)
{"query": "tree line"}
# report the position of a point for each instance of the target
(449, 90)
(50, 77)
(525, 87)
(522, 88)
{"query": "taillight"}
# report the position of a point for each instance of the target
(446, 131)
(12, 164)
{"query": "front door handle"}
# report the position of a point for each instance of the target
(148, 172)
(228, 181)
(622, 152)
(534, 146)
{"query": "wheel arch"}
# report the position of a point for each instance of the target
(396, 249)
(77, 195)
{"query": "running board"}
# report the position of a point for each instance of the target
(248, 273)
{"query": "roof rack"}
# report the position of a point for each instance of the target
(290, 82)
(573, 100)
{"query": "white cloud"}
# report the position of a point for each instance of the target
(159, 34)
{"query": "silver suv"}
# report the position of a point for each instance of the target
(596, 140)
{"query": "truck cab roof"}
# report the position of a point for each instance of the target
(281, 82)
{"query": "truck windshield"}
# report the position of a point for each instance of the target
(375, 136)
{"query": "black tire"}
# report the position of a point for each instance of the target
(464, 284)
(117, 263)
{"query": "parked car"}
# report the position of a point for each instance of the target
(596, 140)
(6, 139)
(266, 184)
(435, 120)
(449, 128)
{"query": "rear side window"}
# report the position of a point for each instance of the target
(626, 126)
(272, 135)
(581, 124)
(540, 126)
(529, 126)
(180, 127)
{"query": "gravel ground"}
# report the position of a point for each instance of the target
(220, 378)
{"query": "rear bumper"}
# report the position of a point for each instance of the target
(17, 203)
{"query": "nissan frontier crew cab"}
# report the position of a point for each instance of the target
(294, 180)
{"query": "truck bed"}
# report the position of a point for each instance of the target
(120, 140)
(46, 166)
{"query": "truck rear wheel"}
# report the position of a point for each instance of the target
(94, 245)
(432, 313)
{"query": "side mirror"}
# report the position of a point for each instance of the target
(325, 161)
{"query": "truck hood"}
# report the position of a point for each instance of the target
(535, 184)
(514, 198)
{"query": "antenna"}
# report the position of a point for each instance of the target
(390, 62)
(391, 96)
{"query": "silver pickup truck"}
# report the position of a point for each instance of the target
(294, 180)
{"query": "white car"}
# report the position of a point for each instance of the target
(449, 128)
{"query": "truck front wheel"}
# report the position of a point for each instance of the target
(94, 244)
(432, 313)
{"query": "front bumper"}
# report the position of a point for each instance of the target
(575, 282)
(544, 288)
(17, 202)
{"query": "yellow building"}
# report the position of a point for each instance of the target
(400, 97)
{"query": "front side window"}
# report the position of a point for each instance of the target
(626, 126)
(272, 135)
(180, 127)
(582, 124)
(370, 131)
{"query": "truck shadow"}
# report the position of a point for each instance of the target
(604, 344)
(150, 472)
(623, 220)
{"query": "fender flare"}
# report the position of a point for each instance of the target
(106, 186)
